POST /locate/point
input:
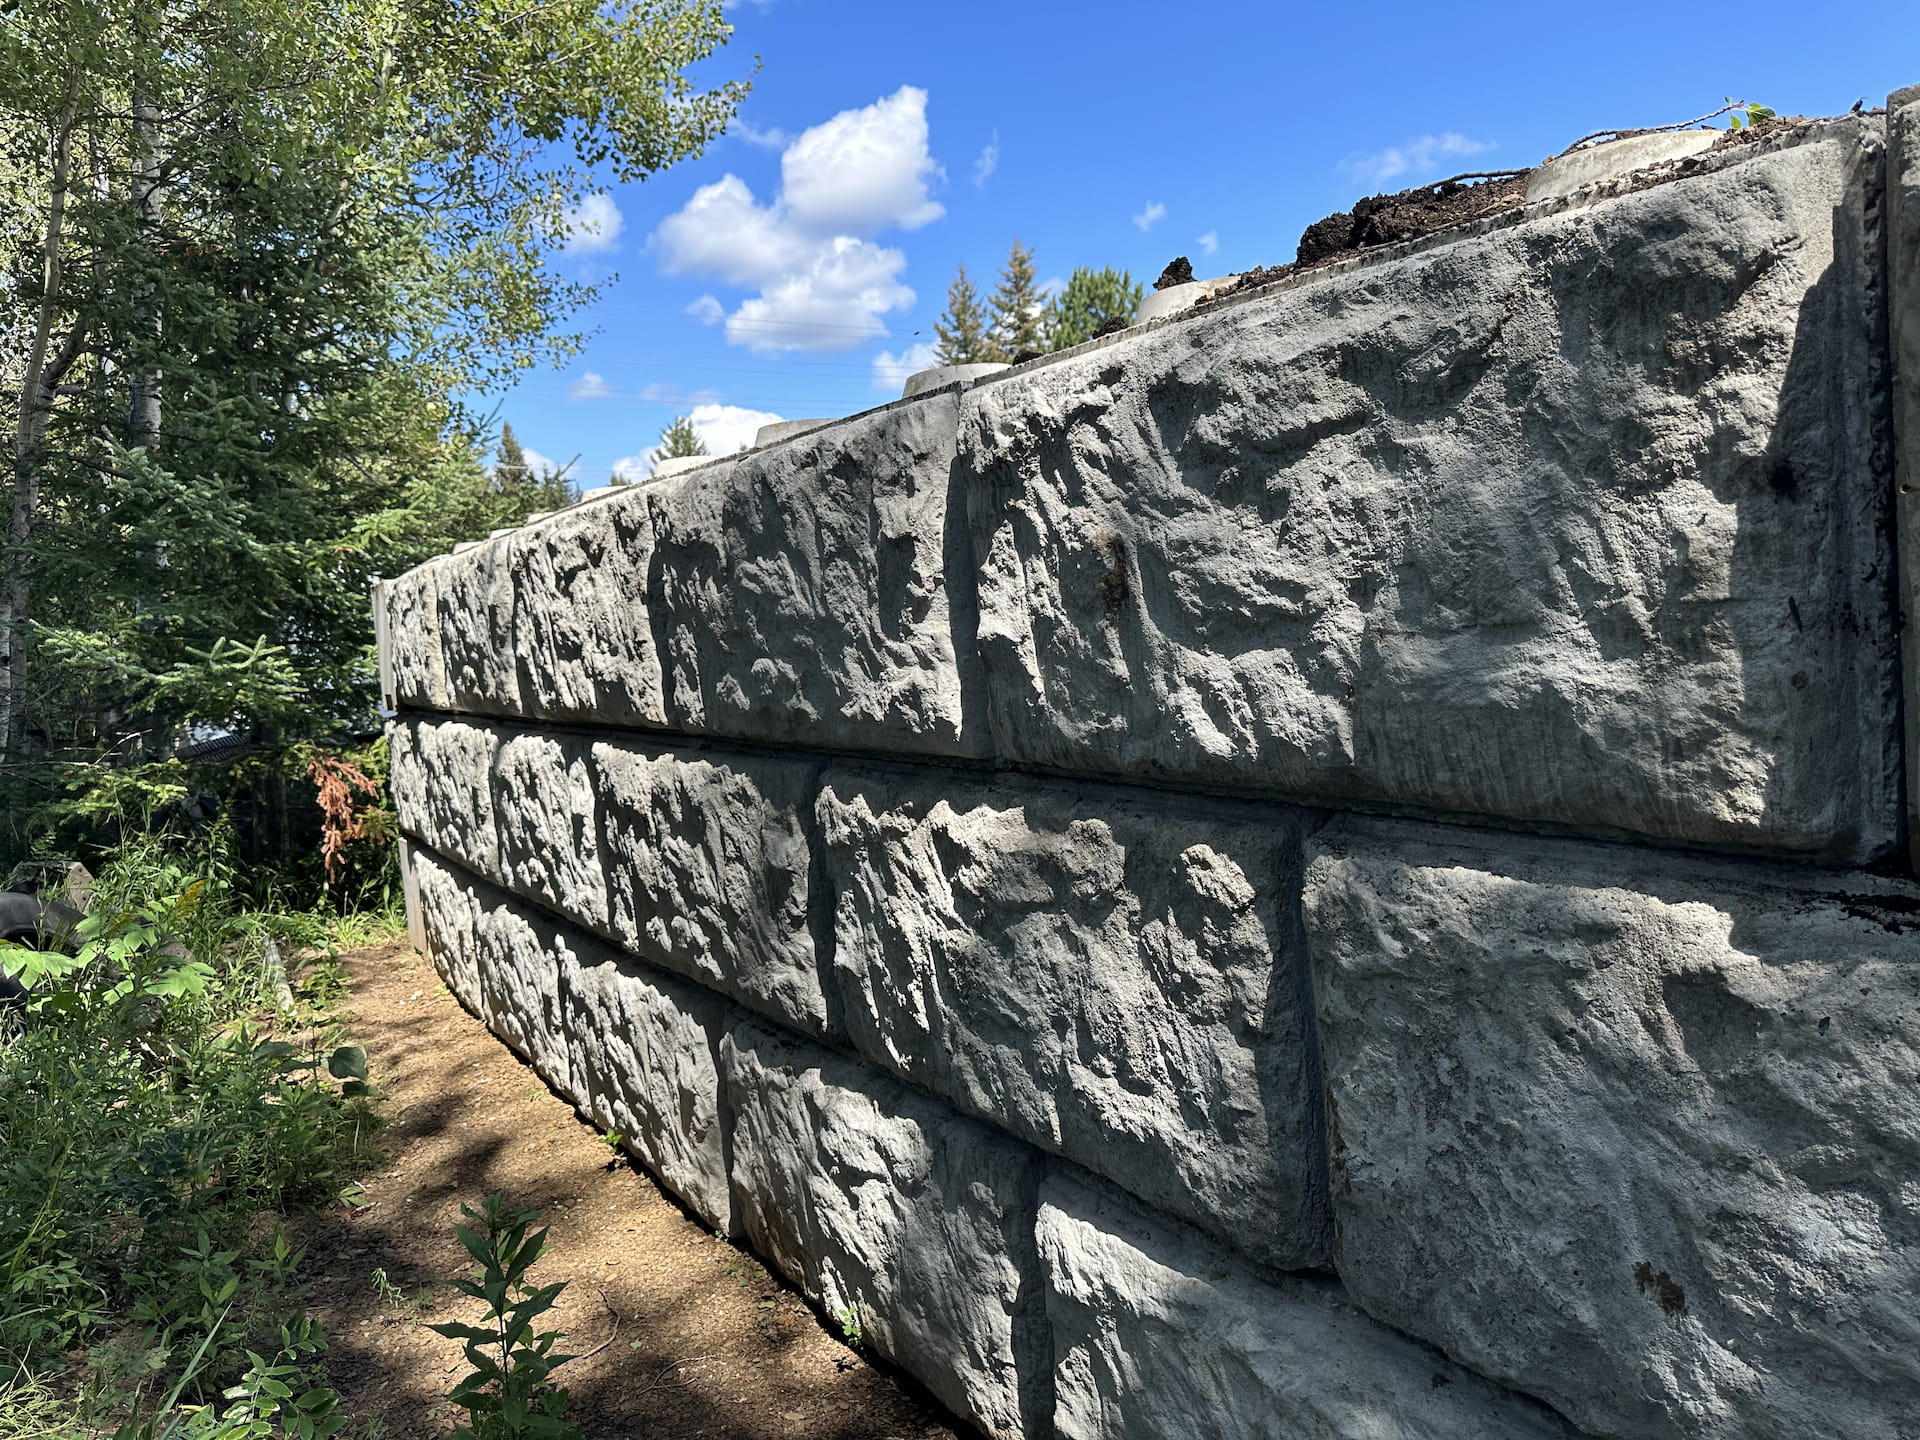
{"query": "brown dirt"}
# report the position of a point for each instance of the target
(703, 1342)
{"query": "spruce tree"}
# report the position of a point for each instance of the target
(1092, 302)
(962, 330)
(677, 440)
(1017, 307)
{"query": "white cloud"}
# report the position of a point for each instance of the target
(770, 137)
(1209, 243)
(987, 162)
(823, 281)
(1051, 287)
(537, 463)
(589, 387)
(707, 310)
(890, 371)
(658, 394)
(723, 429)
(594, 225)
(1421, 155)
(1148, 217)
(863, 170)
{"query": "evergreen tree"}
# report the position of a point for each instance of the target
(678, 440)
(1018, 310)
(962, 330)
(522, 489)
(1091, 302)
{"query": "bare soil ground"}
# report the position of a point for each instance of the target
(682, 1335)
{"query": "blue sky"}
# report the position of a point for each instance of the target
(793, 269)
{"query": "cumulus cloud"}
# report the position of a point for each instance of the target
(823, 280)
(1148, 217)
(1209, 243)
(589, 387)
(538, 464)
(707, 310)
(987, 162)
(594, 225)
(723, 429)
(890, 371)
(1421, 155)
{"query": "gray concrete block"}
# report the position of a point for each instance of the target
(1634, 1134)
(921, 1222)
(441, 776)
(708, 861)
(1903, 298)
(1581, 521)
(645, 1064)
(582, 628)
(412, 656)
(548, 824)
(518, 956)
(1576, 171)
(1115, 977)
(805, 589)
(475, 611)
(449, 917)
(1159, 1336)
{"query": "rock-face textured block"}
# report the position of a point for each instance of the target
(548, 824)
(518, 959)
(646, 1066)
(412, 671)
(1642, 1142)
(583, 632)
(475, 611)
(1116, 978)
(1578, 521)
(450, 915)
(709, 865)
(442, 781)
(921, 1222)
(804, 591)
(1159, 1337)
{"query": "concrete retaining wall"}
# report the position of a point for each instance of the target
(1321, 868)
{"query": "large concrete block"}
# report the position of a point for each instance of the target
(1582, 520)
(518, 957)
(1117, 978)
(475, 608)
(412, 668)
(806, 590)
(548, 823)
(583, 633)
(709, 868)
(1903, 299)
(645, 1065)
(449, 918)
(1158, 1336)
(919, 1221)
(442, 781)
(1641, 1139)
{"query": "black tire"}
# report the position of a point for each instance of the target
(30, 920)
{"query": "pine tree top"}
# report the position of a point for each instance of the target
(1018, 309)
(962, 330)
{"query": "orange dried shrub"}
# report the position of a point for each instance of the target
(342, 821)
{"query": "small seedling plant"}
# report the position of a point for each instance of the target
(507, 1395)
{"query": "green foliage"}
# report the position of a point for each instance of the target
(1745, 113)
(850, 1330)
(506, 1394)
(254, 250)
(961, 331)
(678, 440)
(144, 1126)
(1019, 312)
(1091, 302)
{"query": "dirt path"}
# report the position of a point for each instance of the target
(703, 1342)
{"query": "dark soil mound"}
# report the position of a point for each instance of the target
(1179, 271)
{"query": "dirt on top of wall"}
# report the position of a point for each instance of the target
(1425, 210)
